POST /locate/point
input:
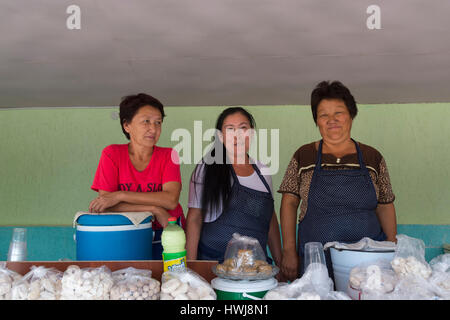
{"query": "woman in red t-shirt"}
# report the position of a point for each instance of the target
(140, 176)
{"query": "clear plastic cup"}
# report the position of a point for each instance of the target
(314, 254)
(18, 246)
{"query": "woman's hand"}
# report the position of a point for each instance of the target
(104, 201)
(167, 198)
(289, 264)
(161, 215)
(281, 277)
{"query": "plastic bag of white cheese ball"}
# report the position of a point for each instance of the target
(440, 277)
(440, 282)
(441, 263)
(134, 284)
(40, 283)
(411, 287)
(409, 258)
(185, 285)
(374, 279)
(7, 280)
(86, 283)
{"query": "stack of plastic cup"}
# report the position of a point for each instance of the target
(314, 254)
(18, 246)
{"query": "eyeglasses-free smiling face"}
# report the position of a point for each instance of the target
(145, 127)
(334, 120)
(236, 134)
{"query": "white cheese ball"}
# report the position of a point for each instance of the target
(38, 284)
(185, 286)
(136, 288)
(411, 266)
(86, 284)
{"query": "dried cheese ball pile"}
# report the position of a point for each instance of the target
(86, 284)
(136, 288)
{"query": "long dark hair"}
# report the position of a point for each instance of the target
(217, 170)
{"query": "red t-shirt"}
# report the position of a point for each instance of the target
(115, 172)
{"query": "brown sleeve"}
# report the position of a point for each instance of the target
(384, 183)
(290, 181)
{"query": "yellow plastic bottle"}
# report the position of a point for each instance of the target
(173, 240)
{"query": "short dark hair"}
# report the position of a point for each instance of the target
(333, 90)
(132, 103)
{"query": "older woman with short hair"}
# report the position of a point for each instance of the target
(342, 186)
(140, 176)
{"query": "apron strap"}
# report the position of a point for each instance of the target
(319, 156)
(362, 165)
(255, 167)
(235, 178)
(263, 180)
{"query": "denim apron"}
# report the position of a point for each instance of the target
(341, 207)
(248, 213)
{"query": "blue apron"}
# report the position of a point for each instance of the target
(341, 207)
(248, 213)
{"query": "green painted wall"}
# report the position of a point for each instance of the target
(49, 156)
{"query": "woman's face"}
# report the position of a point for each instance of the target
(334, 120)
(145, 127)
(236, 134)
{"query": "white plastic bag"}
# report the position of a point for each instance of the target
(316, 276)
(315, 284)
(86, 284)
(7, 280)
(410, 258)
(125, 273)
(40, 283)
(440, 282)
(134, 284)
(299, 289)
(374, 279)
(185, 285)
(365, 244)
(283, 291)
(441, 263)
(410, 287)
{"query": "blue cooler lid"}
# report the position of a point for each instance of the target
(106, 220)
